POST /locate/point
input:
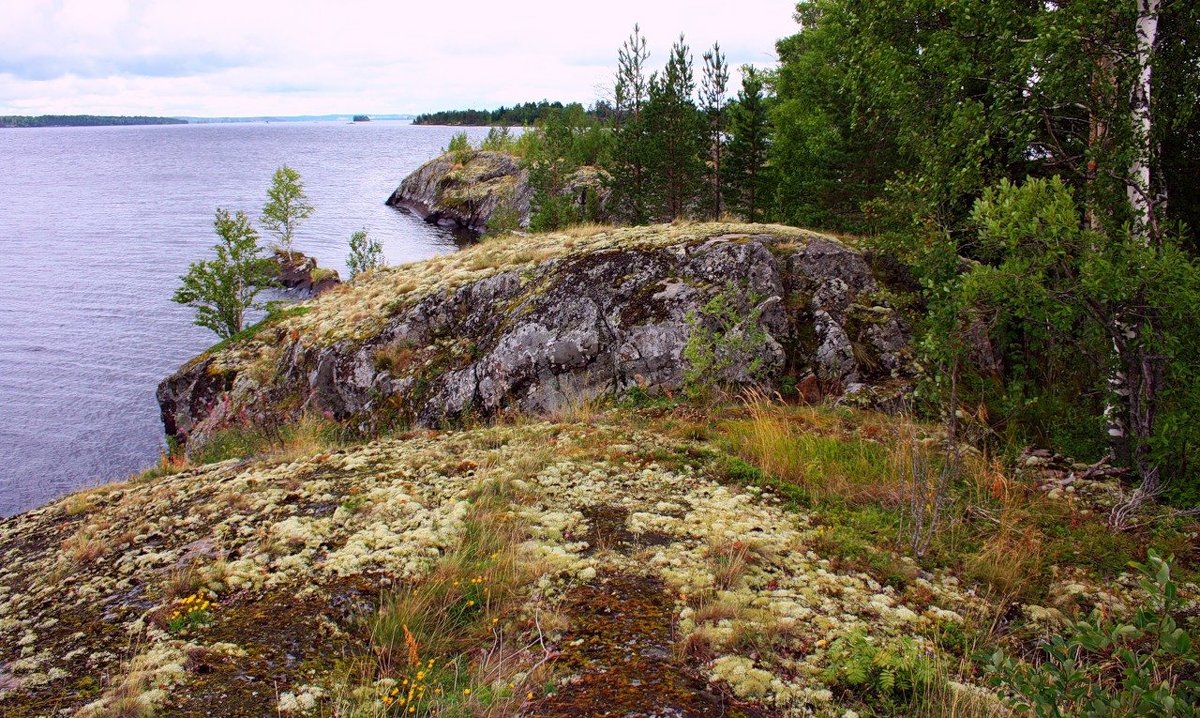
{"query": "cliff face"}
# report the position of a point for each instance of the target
(466, 194)
(542, 323)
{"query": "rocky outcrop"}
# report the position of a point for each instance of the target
(299, 272)
(467, 190)
(542, 326)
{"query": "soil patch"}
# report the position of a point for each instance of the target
(620, 656)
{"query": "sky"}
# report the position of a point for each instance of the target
(213, 58)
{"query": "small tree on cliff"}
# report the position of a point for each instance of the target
(222, 289)
(365, 253)
(287, 206)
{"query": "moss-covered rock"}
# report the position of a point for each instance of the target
(535, 323)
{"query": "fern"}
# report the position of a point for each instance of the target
(884, 676)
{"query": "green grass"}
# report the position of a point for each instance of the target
(275, 315)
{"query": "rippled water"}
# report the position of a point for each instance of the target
(97, 224)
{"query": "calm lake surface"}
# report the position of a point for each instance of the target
(97, 224)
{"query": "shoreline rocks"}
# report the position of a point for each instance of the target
(299, 272)
(467, 190)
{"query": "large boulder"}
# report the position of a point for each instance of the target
(536, 323)
(467, 190)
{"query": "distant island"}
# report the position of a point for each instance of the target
(526, 114)
(85, 120)
(361, 118)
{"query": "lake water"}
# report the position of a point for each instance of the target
(97, 224)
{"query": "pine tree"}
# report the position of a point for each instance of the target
(713, 85)
(674, 127)
(748, 186)
(630, 160)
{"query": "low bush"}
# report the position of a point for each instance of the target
(1102, 667)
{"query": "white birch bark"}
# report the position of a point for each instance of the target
(1140, 197)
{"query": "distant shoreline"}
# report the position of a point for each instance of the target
(20, 121)
(26, 121)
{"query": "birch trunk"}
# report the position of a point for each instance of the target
(1139, 189)
(1137, 386)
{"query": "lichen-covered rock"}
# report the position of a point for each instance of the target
(539, 323)
(466, 190)
(293, 553)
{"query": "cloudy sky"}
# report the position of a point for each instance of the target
(284, 57)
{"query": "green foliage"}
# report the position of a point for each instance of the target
(460, 146)
(365, 253)
(276, 311)
(748, 184)
(524, 115)
(223, 288)
(674, 128)
(1059, 289)
(236, 442)
(632, 147)
(1103, 667)
(713, 83)
(287, 206)
(725, 335)
(887, 676)
(832, 157)
(567, 140)
(84, 120)
(499, 139)
(505, 220)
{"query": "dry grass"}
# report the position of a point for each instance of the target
(180, 582)
(804, 447)
(397, 357)
(306, 438)
(945, 697)
(127, 696)
(84, 546)
(582, 405)
(78, 503)
(697, 646)
(732, 560)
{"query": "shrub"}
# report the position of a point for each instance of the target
(505, 220)
(885, 676)
(1103, 667)
(499, 139)
(460, 146)
(365, 253)
(723, 336)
